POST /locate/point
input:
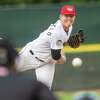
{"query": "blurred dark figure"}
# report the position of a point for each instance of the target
(13, 86)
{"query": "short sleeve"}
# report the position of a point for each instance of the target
(56, 41)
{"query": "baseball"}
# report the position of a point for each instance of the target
(77, 62)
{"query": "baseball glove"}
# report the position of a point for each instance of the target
(76, 39)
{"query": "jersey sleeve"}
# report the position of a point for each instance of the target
(59, 37)
(56, 40)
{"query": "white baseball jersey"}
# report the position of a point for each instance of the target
(52, 38)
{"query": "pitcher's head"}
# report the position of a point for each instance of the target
(67, 15)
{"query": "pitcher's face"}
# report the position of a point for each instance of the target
(67, 20)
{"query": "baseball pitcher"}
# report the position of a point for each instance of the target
(44, 52)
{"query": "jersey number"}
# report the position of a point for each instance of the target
(51, 28)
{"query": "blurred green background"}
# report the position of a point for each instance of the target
(23, 20)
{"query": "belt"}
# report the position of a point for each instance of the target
(32, 53)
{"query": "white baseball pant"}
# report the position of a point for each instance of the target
(44, 72)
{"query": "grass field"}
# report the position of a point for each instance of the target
(70, 95)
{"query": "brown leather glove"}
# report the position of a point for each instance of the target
(76, 39)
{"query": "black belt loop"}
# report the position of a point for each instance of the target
(32, 53)
(39, 59)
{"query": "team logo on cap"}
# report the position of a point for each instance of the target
(70, 9)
